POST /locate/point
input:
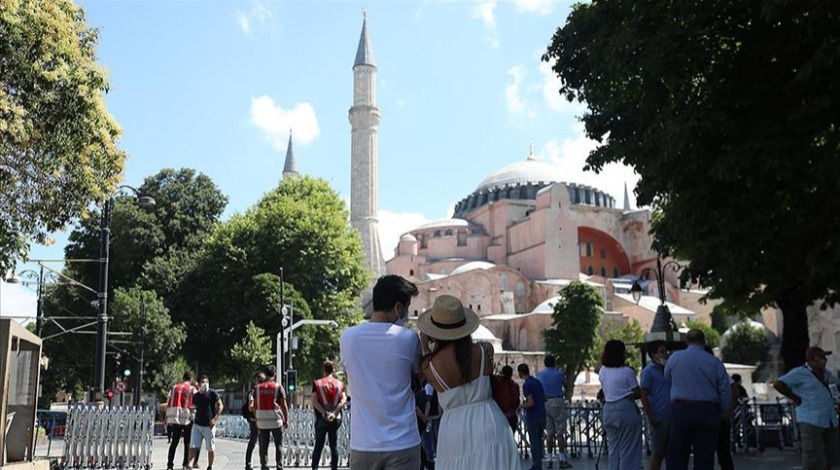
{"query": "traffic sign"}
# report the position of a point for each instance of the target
(120, 386)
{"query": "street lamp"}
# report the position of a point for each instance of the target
(39, 278)
(145, 202)
(662, 319)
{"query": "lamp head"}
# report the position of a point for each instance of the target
(636, 292)
(13, 279)
(146, 202)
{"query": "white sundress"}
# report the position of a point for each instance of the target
(474, 433)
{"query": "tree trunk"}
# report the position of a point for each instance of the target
(795, 337)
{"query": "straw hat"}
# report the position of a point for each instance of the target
(447, 319)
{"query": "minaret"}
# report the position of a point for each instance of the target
(290, 167)
(364, 179)
(626, 198)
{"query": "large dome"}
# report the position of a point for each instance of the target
(531, 170)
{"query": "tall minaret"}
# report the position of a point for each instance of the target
(290, 167)
(364, 179)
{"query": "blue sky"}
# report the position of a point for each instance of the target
(216, 86)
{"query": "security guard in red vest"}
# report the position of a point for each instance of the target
(179, 418)
(272, 414)
(328, 401)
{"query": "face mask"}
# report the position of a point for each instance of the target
(401, 318)
(662, 361)
(205, 386)
(432, 346)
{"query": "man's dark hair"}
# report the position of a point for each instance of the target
(615, 354)
(328, 367)
(187, 376)
(695, 336)
(507, 372)
(654, 346)
(736, 378)
(202, 377)
(390, 289)
(550, 361)
(523, 369)
(270, 372)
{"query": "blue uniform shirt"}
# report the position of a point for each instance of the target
(533, 388)
(817, 408)
(696, 375)
(659, 391)
(553, 381)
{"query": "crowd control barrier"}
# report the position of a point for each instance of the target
(108, 437)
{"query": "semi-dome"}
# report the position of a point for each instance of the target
(471, 266)
(408, 238)
(530, 171)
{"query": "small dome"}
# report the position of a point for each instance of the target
(408, 238)
(483, 334)
(531, 170)
(547, 306)
(471, 266)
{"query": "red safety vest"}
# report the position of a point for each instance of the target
(328, 390)
(269, 394)
(179, 404)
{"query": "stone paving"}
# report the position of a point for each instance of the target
(230, 455)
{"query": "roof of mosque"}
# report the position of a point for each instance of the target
(532, 170)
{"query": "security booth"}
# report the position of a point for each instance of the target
(20, 356)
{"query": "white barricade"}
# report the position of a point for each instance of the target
(108, 437)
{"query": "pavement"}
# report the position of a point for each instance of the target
(230, 455)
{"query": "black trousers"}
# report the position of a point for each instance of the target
(694, 426)
(325, 429)
(265, 435)
(724, 454)
(179, 432)
(252, 442)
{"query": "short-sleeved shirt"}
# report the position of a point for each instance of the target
(659, 391)
(380, 359)
(817, 408)
(205, 407)
(617, 382)
(553, 382)
(534, 389)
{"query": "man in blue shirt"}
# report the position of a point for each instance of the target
(700, 396)
(534, 407)
(814, 392)
(656, 401)
(553, 381)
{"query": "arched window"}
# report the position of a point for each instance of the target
(462, 238)
(603, 253)
(590, 271)
(616, 272)
(448, 233)
(478, 307)
(423, 241)
(437, 233)
(520, 288)
(603, 272)
(410, 272)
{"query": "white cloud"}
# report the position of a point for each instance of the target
(551, 91)
(540, 7)
(17, 301)
(484, 11)
(392, 225)
(515, 103)
(570, 154)
(259, 15)
(275, 121)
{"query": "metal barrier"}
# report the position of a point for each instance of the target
(756, 426)
(108, 437)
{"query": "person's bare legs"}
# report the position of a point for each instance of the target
(211, 456)
(656, 461)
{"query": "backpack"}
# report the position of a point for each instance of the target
(505, 394)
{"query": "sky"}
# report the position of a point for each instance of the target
(216, 86)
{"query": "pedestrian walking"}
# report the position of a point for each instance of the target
(813, 390)
(328, 401)
(534, 406)
(254, 433)
(380, 357)
(272, 414)
(553, 381)
(700, 397)
(179, 418)
(208, 408)
(656, 401)
(622, 421)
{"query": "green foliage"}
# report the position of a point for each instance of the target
(720, 319)
(251, 354)
(739, 170)
(574, 331)
(169, 373)
(712, 335)
(630, 334)
(58, 142)
(746, 344)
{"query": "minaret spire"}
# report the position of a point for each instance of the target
(290, 167)
(626, 198)
(364, 143)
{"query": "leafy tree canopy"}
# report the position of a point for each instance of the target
(574, 332)
(745, 344)
(631, 335)
(251, 353)
(742, 170)
(58, 142)
(712, 335)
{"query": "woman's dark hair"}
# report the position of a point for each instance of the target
(463, 354)
(615, 354)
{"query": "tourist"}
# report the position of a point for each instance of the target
(813, 390)
(328, 401)
(622, 422)
(553, 381)
(179, 418)
(700, 396)
(254, 433)
(272, 413)
(380, 357)
(506, 395)
(656, 401)
(473, 430)
(208, 408)
(534, 406)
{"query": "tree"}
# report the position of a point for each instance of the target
(630, 334)
(574, 332)
(251, 354)
(712, 336)
(740, 171)
(745, 344)
(58, 142)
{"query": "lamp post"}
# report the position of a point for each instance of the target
(139, 388)
(102, 296)
(38, 278)
(662, 319)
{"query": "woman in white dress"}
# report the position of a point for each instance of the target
(473, 431)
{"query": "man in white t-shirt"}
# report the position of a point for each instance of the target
(379, 358)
